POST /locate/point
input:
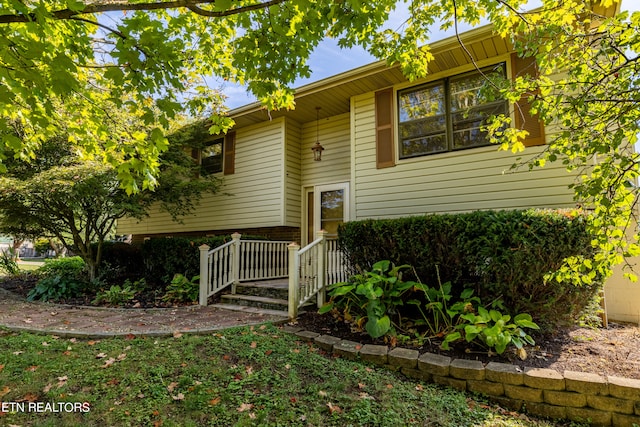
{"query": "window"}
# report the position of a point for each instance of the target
(447, 115)
(211, 157)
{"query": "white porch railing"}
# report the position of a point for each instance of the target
(311, 269)
(238, 261)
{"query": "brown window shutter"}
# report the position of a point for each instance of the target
(229, 152)
(385, 156)
(524, 119)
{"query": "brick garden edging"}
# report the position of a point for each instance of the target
(577, 396)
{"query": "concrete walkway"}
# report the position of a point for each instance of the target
(70, 321)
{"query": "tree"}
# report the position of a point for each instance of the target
(78, 202)
(149, 58)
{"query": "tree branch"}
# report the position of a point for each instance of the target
(110, 6)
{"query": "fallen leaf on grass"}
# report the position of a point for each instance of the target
(122, 356)
(172, 386)
(177, 334)
(248, 370)
(245, 407)
(268, 352)
(29, 397)
(361, 386)
(101, 355)
(4, 391)
(129, 337)
(45, 344)
(334, 409)
(28, 321)
(1, 368)
(47, 388)
(389, 386)
(322, 393)
(214, 401)
(62, 381)
(16, 353)
(32, 368)
(110, 361)
(179, 396)
(253, 344)
(92, 342)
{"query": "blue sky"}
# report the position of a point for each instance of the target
(328, 59)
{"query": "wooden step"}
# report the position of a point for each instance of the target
(254, 299)
(250, 309)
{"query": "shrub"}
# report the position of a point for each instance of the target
(8, 262)
(120, 261)
(62, 278)
(166, 256)
(115, 295)
(498, 254)
(182, 289)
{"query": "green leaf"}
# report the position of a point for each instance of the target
(377, 327)
(327, 307)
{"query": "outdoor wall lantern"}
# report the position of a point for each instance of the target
(317, 148)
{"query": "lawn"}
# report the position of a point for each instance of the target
(244, 376)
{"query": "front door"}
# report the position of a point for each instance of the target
(327, 208)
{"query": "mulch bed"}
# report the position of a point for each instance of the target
(605, 351)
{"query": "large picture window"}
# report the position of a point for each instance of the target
(448, 114)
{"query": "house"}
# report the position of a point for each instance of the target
(391, 148)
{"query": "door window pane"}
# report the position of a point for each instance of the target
(331, 211)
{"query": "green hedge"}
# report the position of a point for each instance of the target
(500, 254)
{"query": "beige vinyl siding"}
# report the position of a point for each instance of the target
(293, 175)
(334, 136)
(466, 180)
(253, 194)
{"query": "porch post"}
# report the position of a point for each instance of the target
(204, 274)
(294, 279)
(235, 261)
(322, 267)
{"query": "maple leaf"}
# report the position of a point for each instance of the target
(92, 342)
(179, 396)
(245, 407)
(361, 386)
(177, 334)
(253, 344)
(214, 401)
(172, 386)
(334, 409)
(268, 352)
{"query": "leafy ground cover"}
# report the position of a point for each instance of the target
(246, 376)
